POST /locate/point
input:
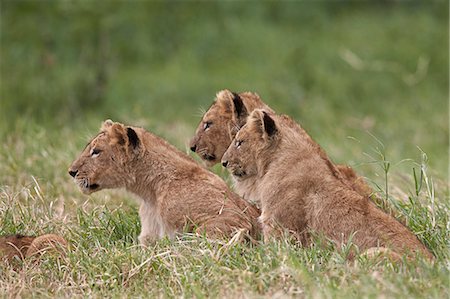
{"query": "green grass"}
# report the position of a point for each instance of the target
(65, 67)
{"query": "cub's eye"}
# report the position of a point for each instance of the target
(238, 143)
(95, 152)
(206, 125)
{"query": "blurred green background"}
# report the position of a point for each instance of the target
(342, 69)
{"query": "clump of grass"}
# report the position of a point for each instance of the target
(420, 209)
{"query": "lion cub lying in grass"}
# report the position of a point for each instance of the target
(176, 193)
(284, 171)
(21, 247)
(228, 114)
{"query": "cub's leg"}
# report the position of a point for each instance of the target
(271, 229)
(152, 225)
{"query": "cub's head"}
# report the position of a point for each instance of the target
(103, 162)
(252, 145)
(218, 126)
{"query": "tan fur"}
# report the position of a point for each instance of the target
(176, 193)
(298, 190)
(356, 182)
(21, 247)
(228, 114)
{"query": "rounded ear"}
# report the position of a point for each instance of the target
(263, 122)
(238, 107)
(232, 102)
(133, 139)
(117, 133)
(106, 124)
(269, 124)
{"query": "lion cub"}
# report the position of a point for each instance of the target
(21, 247)
(283, 170)
(176, 193)
(228, 114)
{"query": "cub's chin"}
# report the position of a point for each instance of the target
(209, 160)
(239, 175)
(90, 189)
(209, 163)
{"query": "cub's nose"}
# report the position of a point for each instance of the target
(73, 173)
(224, 163)
(193, 148)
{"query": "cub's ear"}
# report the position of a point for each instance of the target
(269, 124)
(106, 124)
(232, 102)
(117, 133)
(133, 138)
(264, 122)
(238, 106)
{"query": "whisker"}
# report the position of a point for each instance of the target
(202, 152)
(201, 111)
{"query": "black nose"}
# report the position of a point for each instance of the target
(224, 163)
(193, 148)
(73, 173)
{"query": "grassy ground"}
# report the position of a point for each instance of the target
(369, 82)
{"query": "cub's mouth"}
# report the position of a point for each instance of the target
(86, 186)
(93, 187)
(209, 157)
(238, 173)
(209, 160)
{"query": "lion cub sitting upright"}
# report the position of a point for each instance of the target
(176, 193)
(228, 114)
(283, 170)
